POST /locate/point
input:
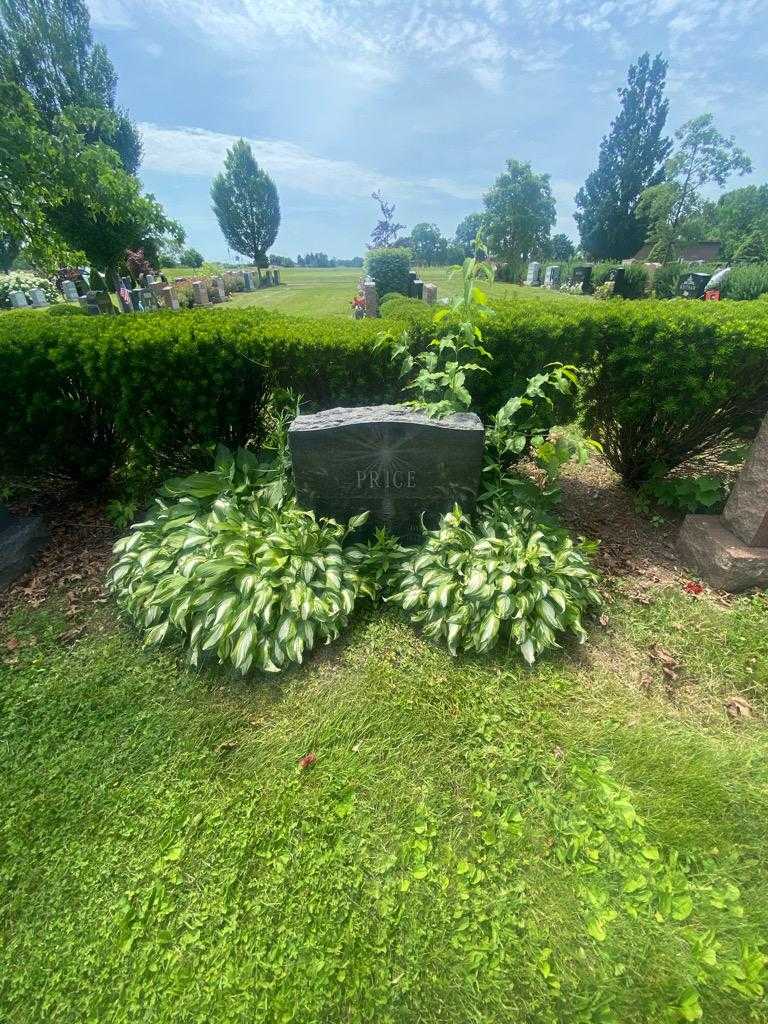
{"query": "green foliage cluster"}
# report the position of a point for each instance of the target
(665, 280)
(389, 269)
(24, 282)
(664, 380)
(686, 494)
(230, 567)
(399, 307)
(635, 284)
(91, 395)
(748, 282)
(510, 579)
(246, 204)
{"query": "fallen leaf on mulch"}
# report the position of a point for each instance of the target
(738, 708)
(604, 620)
(12, 644)
(307, 761)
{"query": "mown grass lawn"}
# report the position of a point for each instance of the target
(476, 842)
(328, 292)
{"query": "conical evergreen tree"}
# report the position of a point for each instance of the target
(631, 159)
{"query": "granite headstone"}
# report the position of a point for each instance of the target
(20, 541)
(582, 276)
(552, 277)
(693, 286)
(731, 551)
(69, 290)
(18, 300)
(371, 297)
(37, 297)
(389, 460)
(430, 294)
(533, 277)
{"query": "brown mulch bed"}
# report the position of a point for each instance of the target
(73, 563)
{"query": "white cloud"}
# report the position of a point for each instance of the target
(110, 14)
(199, 152)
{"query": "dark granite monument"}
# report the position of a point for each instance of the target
(390, 460)
(693, 286)
(20, 540)
(583, 277)
(617, 276)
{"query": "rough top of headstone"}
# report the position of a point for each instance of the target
(341, 417)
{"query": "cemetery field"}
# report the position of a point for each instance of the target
(476, 841)
(329, 292)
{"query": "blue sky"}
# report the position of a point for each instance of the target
(425, 100)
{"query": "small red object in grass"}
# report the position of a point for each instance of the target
(692, 587)
(307, 761)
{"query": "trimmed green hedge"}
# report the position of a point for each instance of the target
(83, 395)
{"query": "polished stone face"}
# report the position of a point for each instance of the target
(391, 461)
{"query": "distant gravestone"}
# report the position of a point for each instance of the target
(18, 300)
(248, 280)
(37, 297)
(552, 277)
(390, 460)
(20, 541)
(430, 294)
(276, 275)
(168, 296)
(533, 277)
(418, 288)
(582, 276)
(200, 293)
(693, 286)
(218, 284)
(617, 276)
(69, 291)
(731, 551)
(371, 297)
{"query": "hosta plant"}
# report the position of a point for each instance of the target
(228, 565)
(509, 580)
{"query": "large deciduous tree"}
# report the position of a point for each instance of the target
(46, 47)
(428, 244)
(467, 231)
(673, 207)
(519, 212)
(246, 204)
(631, 159)
(559, 247)
(65, 198)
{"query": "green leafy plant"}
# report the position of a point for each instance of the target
(686, 494)
(509, 579)
(228, 565)
(748, 282)
(522, 426)
(389, 269)
(438, 375)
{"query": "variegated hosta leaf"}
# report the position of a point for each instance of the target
(255, 584)
(511, 579)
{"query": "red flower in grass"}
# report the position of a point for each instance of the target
(307, 761)
(692, 587)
